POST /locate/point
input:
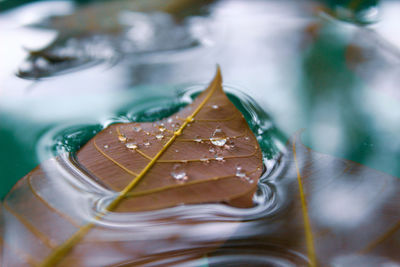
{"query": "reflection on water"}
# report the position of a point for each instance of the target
(105, 33)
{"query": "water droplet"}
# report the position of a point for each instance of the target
(190, 119)
(218, 138)
(106, 146)
(246, 138)
(137, 128)
(260, 131)
(184, 161)
(176, 126)
(169, 120)
(219, 158)
(161, 128)
(205, 159)
(215, 106)
(159, 136)
(146, 143)
(176, 150)
(178, 172)
(240, 172)
(147, 133)
(211, 149)
(131, 145)
(230, 145)
(197, 139)
(122, 138)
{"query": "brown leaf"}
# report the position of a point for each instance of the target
(190, 157)
(204, 153)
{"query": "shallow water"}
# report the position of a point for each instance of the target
(334, 79)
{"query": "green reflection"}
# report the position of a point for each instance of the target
(335, 101)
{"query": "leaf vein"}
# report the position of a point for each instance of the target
(42, 237)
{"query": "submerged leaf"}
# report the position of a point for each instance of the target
(341, 213)
(202, 154)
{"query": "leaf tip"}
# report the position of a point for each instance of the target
(218, 74)
(217, 81)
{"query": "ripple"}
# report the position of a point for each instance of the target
(199, 225)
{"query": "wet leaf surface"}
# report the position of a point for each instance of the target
(204, 153)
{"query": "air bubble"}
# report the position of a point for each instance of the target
(159, 136)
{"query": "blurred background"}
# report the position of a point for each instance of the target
(329, 67)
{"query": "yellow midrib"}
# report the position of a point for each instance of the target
(306, 219)
(64, 248)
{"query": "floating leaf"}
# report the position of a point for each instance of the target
(192, 156)
(204, 153)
